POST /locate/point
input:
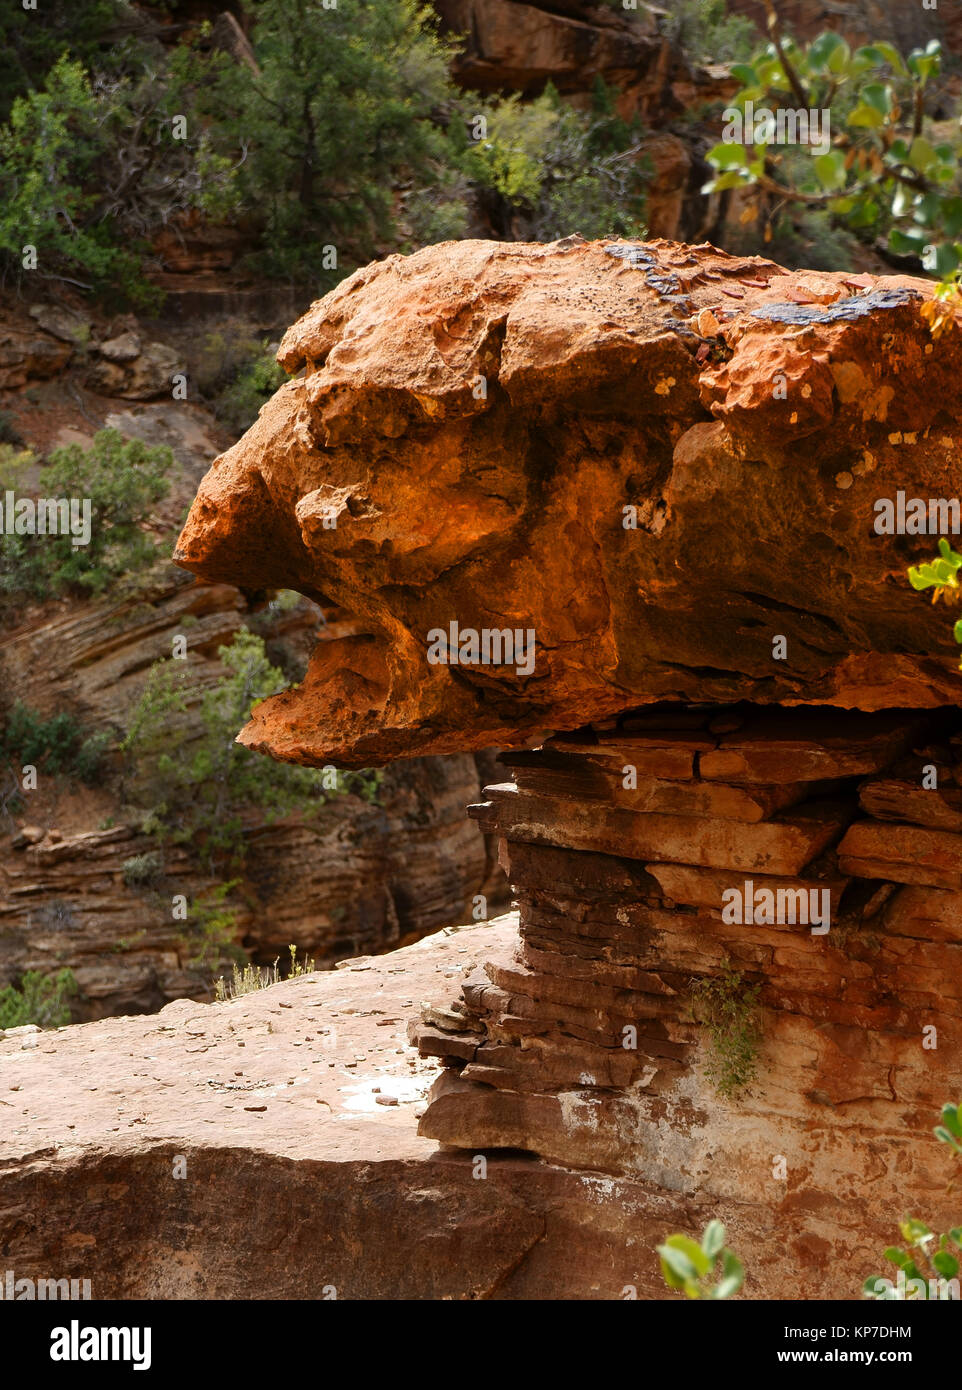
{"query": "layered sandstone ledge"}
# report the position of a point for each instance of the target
(472, 427)
(662, 466)
(295, 1180)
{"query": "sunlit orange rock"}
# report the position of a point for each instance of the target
(538, 438)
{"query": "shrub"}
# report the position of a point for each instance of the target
(929, 1268)
(706, 32)
(252, 977)
(124, 481)
(59, 744)
(238, 375)
(728, 1009)
(41, 999)
(143, 869)
(339, 115)
(90, 167)
(550, 171)
(701, 1270)
(199, 792)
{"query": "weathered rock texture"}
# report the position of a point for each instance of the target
(292, 1178)
(486, 423)
(670, 475)
(620, 891)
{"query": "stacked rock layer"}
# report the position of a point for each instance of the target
(634, 851)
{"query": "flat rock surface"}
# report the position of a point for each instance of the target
(298, 1067)
(239, 1151)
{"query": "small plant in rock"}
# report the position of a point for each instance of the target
(941, 575)
(143, 870)
(254, 977)
(701, 1270)
(40, 999)
(727, 1007)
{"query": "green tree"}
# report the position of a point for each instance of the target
(201, 791)
(550, 171)
(338, 116)
(40, 999)
(93, 163)
(123, 480)
(887, 171)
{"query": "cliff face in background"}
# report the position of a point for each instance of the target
(361, 877)
(655, 422)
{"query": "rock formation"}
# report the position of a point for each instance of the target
(658, 458)
(669, 473)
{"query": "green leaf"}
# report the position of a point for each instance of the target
(879, 96)
(914, 1230)
(941, 259)
(947, 1265)
(727, 155)
(879, 53)
(713, 1239)
(865, 117)
(927, 209)
(921, 154)
(732, 178)
(830, 169)
(692, 1251)
(745, 74)
(673, 1280)
(678, 1261)
(733, 1275)
(952, 216)
(910, 242)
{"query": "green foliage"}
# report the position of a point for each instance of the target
(91, 165)
(930, 1260)
(32, 41)
(143, 869)
(212, 934)
(124, 481)
(728, 1008)
(701, 1270)
(706, 32)
(882, 173)
(252, 977)
(238, 375)
(941, 576)
(551, 171)
(340, 114)
(41, 999)
(200, 789)
(59, 745)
